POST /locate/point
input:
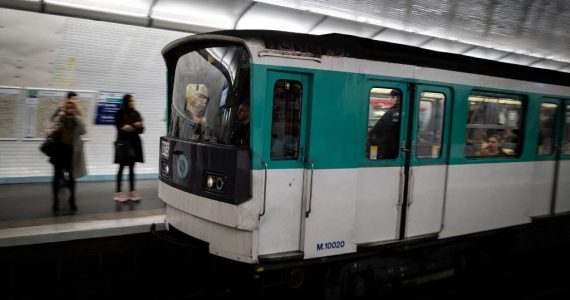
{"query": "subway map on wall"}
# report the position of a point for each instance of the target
(41, 106)
(9, 98)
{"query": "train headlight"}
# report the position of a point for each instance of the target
(215, 182)
(210, 182)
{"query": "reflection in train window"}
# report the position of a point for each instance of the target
(430, 125)
(494, 126)
(209, 85)
(546, 135)
(286, 120)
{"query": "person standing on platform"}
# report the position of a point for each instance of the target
(69, 155)
(128, 147)
(60, 111)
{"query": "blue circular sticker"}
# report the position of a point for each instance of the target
(182, 166)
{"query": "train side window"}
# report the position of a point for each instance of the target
(494, 126)
(286, 120)
(430, 125)
(566, 145)
(383, 123)
(547, 117)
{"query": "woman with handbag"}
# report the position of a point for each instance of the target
(128, 147)
(68, 154)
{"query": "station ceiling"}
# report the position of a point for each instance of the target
(526, 32)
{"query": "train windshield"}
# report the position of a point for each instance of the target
(210, 97)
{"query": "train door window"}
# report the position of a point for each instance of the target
(547, 117)
(383, 123)
(566, 146)
(494, 127)
(430, 125)
(286, 120)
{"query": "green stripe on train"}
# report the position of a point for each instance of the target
(338, 113)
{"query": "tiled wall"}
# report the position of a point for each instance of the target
(83, 55)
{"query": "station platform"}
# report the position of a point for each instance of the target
(26, 217)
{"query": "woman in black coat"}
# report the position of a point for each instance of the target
(128, 147)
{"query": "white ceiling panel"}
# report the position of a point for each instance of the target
(320, 9)
(134, 12)
(486, 53)
(509, 25)
(179, 26)
(519, 59)
(21, 4)
(212, 14)
(565, 68)
(549, 64)
(401, 37)
(442, 45)
(335, 25)
(565, 57)
(531, 31)
(265, 16)
(128, 7)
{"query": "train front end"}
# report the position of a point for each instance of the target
(205, 159)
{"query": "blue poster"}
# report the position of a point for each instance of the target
(106, 113)
(108, 104)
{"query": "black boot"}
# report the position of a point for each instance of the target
(72, 205)
(55, 206)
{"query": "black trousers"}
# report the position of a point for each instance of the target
(64, 162)
(131, 177)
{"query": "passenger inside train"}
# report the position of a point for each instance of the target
(286, 120)
(241, 133)
(493, 126)
(385, 135)
(491, 148)
(548, 112)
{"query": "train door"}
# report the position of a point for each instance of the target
(562, 201)
(381, 177)
(427, 160)
(402, 189)
(547, 112)
(284, 159)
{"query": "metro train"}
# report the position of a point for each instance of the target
(268, 155)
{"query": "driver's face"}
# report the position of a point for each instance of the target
(396, 100)
(243, 113)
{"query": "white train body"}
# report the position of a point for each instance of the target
(329, 199)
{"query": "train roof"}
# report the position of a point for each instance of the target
(362, 48)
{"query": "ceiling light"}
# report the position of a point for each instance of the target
(136, 8)
(270, 17)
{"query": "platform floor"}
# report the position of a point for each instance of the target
(26, 216)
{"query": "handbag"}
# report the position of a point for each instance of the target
(124, 151)
(49, 146)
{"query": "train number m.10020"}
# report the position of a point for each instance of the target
(330, 245)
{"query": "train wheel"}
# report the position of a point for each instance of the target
(359, 286)
(296, 278)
